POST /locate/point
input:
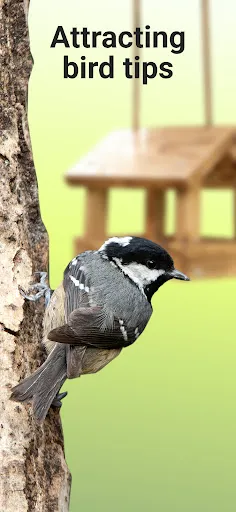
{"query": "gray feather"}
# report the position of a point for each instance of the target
(42, 387)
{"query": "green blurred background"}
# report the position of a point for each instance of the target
(155, 430)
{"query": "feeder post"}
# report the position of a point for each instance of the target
(155, 214)
(188, 213)
(96, 213)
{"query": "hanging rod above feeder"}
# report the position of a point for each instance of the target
(206, 60)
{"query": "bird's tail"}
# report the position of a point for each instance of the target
(42, 387)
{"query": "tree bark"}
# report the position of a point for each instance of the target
(34, 475)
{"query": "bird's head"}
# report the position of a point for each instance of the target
(146, 263)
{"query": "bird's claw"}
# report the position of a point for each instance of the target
(57, 400)
(42, 287)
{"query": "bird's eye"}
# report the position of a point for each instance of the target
(151, 264)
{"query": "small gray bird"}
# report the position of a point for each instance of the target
(102, 306)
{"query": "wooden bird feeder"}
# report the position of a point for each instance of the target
(186, 159)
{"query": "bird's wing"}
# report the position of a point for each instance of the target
(85, 327)
(84, 322)
(76, 285)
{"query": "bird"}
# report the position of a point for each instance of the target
(102, 306)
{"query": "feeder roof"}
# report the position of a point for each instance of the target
(162, 157)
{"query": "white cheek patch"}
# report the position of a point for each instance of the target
(123, 241)
(139, 273)
(79, 284)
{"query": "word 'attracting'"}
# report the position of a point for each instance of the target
(133, 68)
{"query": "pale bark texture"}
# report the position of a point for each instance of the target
(34, 475)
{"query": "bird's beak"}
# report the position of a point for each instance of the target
(176, 274)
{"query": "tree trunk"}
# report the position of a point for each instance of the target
(34, 475)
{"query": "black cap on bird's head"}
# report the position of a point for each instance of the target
(146, 263)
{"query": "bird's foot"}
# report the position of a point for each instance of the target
(57, 400)
(42, 290)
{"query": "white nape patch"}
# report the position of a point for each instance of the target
(123, 241)
(79, 284)
(123, 330)
(139, 274)
(136, 333)
(74, 261)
